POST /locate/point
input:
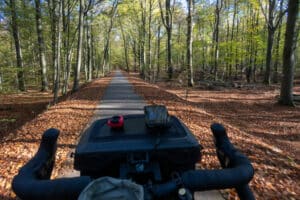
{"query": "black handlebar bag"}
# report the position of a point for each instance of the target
(156, 116)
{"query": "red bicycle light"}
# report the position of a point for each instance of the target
(116, 122)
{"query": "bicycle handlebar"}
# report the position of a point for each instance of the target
(32, 181)
(237, 174)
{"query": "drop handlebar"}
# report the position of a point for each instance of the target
(237, 171)
(33, 180)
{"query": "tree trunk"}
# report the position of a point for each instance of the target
(277, 47)
(52, 7)
(58, 52)
(290, 44)
(267, 76)
(167, 21)
(169, 53)
(41, 45)
(79, 48)
(125, 46)
(93, 53)
(89, 50)
(169, 38)
(106, 53)
(142, 36)
(158, 53)
(1, 80)
(231, 39)
(16, 36)
(90, 53)
(149, 41)
(189, 42)
(67, 47)
(219, 5)
(276, 63)
(134, 55)
(236, 51)
(272, 25)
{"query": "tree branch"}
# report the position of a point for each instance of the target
(279, 18)
(263, 11)
(162, 14)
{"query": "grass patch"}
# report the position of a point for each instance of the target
(11, 120)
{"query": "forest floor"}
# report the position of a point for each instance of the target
(24, 117)
(266, 132)
(18, 108)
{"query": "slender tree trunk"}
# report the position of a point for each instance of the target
(134, 55)
(149, 41)
(167, 21)
(158, 53)
(67, 48)
(125, 46)
(290, 44)
(227, 53)
(142, 35)
(85, 58)
(169, 38)
(93, 53)
(52, 8)
(231, 39)
(90, 54)
(179, 56)
(169, 53)
(219, 5)
(58, 51)
(189, 41)
(79, 47)
(41, 45)
(1, 80)
(276, 63)
(272, 25)
(89, 50)
(106, 53)
(267, 77)
(15, 30)
(277, 47)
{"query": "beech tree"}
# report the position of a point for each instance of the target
(219, 5)
(18, 49)
(167, 19)
(290, 44)
(273, 20)
(189, 39)
(41, 44)
(79, 47)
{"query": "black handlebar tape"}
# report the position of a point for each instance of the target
(32, 182)
(237, 174)
(245, 192)
(200, 180)
(226, 152)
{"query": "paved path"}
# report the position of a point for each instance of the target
(120, 99)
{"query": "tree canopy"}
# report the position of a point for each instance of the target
(58, 43)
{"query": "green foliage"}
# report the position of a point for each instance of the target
(242, 35)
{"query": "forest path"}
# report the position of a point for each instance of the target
(119, 99)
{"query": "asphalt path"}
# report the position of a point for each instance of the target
(119, 99)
